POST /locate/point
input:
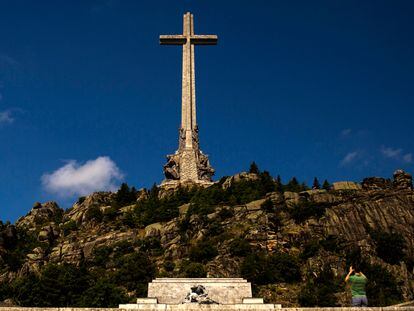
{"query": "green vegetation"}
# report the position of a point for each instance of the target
(310, 249)
(262, 269)
(316, 184)
(382, 287)
(389, 246)
(307, 209)
(101, 256)
(203, 201)
(320, 291)
(240, 247)
(268, 206)
(225, 213)
(294, 186)
(241, 192)
(203, 251)
(17, 242)
(94, 213)
(125, 196)
(169, 265)
(153, 209)
(129, 269)
(68, 285)
(65, 285)
(135, 271)
(333, 243)
(193, 270)
(254, 169)
(330, 243)
(103, 293)
(69, 226)
(326, 185)
(81, 200)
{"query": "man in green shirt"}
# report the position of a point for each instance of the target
(357, 280)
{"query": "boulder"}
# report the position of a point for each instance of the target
(238, 177)
(291, 198)
(376, 183)
(153, 230)
(255, 205)
(78, 211)
(277, 198)
(346, 185)
(48, 233)
(40, 214)
(183, 209)
(402, 180)
(37, 254)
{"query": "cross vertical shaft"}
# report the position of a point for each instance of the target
(188, 118)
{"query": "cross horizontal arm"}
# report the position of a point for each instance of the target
(204, 39)
(173, 39)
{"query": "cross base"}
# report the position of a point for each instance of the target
(187, 166)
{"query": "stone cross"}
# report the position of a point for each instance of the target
(189, 163)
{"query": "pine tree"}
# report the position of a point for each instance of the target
(316, 184)
(293, 185)
(279, 184)
(153, 193)
(326, 185)
(254, 169)
(125, 195)
(304, 186)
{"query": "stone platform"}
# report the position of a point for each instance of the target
(223, 290)
(220, 293)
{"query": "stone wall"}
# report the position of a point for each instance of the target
(205, 307)
(221, 290)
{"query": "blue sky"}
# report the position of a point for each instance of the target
(88, 97)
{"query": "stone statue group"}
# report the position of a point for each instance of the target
(199, 295)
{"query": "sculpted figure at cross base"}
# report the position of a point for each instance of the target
(198, 295)
(172, 168)
(205, 170)
(188, 163)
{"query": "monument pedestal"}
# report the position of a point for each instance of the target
(175, 294)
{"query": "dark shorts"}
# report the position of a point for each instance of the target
(360, 301)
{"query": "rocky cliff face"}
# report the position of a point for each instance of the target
(320, 227)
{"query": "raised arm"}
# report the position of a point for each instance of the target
(349, 274)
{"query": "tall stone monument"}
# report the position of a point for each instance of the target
(188, 163)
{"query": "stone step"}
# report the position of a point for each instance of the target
(147, 300)
(197, 307)
(199, 280)
(253, 300)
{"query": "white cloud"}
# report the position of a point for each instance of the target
(104, 5)
(349, 157)
(74, 179)
(396, 154)
(6, 117)
(391, 152)
(346, 132)
(408, 158)
(8, 60)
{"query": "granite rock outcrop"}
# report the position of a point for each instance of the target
(351, 213)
